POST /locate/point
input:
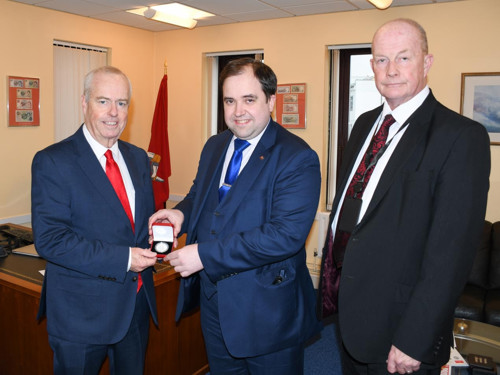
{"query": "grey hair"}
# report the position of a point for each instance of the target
(107, 69)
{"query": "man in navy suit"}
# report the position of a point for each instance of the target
(415, 232)
(97, 255)
(248, 248)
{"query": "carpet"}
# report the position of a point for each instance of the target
(321, 355)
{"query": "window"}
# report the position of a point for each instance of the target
(71, 63)
(352, 92)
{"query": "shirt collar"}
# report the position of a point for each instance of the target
(99, 150)
(256, 139)
(405, 110)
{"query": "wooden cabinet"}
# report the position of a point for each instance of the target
(176, 349)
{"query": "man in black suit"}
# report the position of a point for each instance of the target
(404, 237)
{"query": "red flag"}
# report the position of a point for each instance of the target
(158, 150)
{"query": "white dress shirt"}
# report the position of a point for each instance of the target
(247, 152)
(99, 151)
(400, 114)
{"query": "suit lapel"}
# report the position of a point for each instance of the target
(414, 136)
(209, 174)
(135, 176)
(92, 169)
(357, 139)
(246, 178)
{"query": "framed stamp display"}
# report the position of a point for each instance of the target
(23, 105)
(291, 105)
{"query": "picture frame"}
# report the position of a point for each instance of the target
(23, 105)
(290, 109)
(480, 101)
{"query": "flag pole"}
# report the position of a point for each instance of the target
(165, 67)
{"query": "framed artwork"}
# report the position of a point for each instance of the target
(23, 105)
(481, 101)
(291, 105)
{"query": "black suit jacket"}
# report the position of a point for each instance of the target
(409, 257)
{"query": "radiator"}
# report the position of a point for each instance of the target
(315, 243)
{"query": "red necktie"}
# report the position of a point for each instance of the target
(336, 246)
(115, 177)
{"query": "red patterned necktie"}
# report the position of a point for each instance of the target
(336, 246)
(115, 177)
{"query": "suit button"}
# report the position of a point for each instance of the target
(213, 232)
(134, 278)
(217, 213)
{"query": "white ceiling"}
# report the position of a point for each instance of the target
(226, 11)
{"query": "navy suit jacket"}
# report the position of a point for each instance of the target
(257, 236)
(409, 257)
(82, 230)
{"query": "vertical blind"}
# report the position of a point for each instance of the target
(71, 63)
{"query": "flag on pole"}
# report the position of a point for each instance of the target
(158, 150)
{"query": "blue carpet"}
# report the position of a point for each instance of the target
(321, 355)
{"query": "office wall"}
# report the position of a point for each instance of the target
(462, 37)
(26, 36)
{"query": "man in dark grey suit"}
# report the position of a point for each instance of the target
(405, 236)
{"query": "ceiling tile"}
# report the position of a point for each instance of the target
(225, 7)
(257, 16)
(80, 7)
(320, 8)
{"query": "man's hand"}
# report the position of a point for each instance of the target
(174, 217)
(401, 363)
(186, 261)
(141, 259)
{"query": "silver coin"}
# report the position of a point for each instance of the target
(161, 247)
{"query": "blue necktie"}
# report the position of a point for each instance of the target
(233, 167)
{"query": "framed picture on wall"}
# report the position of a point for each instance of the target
(481, 101)
(290, 106)
(23, 106)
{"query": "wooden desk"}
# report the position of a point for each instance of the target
(176, 349)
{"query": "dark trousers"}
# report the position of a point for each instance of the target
(381, 369)
(350, 366)
(126, 357)
(289, 361)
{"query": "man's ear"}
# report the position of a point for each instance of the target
(271, 101)
(428, 60)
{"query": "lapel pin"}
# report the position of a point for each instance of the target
(261, 157)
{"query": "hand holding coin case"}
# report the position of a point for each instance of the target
(163, 239)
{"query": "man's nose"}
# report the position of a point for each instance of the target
(113, 109)
(392, 69)
(239, 109)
